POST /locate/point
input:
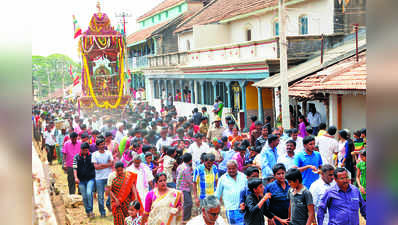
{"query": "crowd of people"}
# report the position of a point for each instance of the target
(156, 167)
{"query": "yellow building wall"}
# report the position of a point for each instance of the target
(252, 99)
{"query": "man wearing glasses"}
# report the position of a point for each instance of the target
(342, 201)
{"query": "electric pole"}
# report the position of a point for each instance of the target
(123, 14)
(49, 83)
(283, 67)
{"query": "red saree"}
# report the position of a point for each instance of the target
(122, 189)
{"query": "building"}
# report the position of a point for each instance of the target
(228, 45)
(155, 35)
(300, 95)
(341, 88)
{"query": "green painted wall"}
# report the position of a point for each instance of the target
(163, 16)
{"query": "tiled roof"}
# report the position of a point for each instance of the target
(162, 6)
(303, 88)
(144, 33)
(347, 75)
(313, 65)
(223, 9)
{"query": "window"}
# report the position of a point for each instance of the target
(159, 17)
(153, 19)
(276, 27)
(303, 24)
(179, 8)
(248, 35)
(167, 14)
(143, 23)
(188, 44)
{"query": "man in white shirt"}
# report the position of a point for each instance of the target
(314, 118)
(210, 213)
(163, 140)
(288, 158)
(197, 148)
(327, 145)
(144, 176)
(119, 133)
(298, 140)
(49, 136)
(103, 162)
(319, 187)
(95, 124)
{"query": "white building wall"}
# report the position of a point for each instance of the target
(210, 35)
(353, 112)
(320, 21)
(182, 41)
(320, 17)
(333, 110)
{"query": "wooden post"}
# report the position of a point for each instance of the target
(322, 49)
(283, 67)
(339, 112)
(356, 40)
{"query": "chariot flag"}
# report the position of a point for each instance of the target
(76, 27)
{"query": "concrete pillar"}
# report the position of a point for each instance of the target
(214, 83)
(333, 110)
(154, 88)
(166, 87)
(229, 104)
(242, 85)
(182, 90)
(191, 87)
(260, 104)
(173, 87)
(202, 90)
(143, 81)
(160, 88)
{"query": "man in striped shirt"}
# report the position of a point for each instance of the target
(184, 184)
(205, 179)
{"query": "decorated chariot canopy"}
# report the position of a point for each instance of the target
(102, 49)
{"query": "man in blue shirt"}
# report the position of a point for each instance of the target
(279, 202)
(269, 155)
(342, 201)
(308, 162)
(229, 187)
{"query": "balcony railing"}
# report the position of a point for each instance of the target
(299, 47)
(236, 52)
(138, 62)
(166, 60)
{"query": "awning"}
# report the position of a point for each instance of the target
(346, 77)
(313, 65)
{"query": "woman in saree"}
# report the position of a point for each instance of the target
(122, 191)
(235, 135)
(163, 205)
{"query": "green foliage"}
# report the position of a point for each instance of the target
(53, 67)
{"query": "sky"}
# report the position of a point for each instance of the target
(52, 23)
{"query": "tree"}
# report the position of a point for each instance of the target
(47, 72)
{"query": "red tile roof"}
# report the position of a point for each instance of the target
(144, 33)
(223, 9)
(303, 88)
(160, 7)
(347, 75)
